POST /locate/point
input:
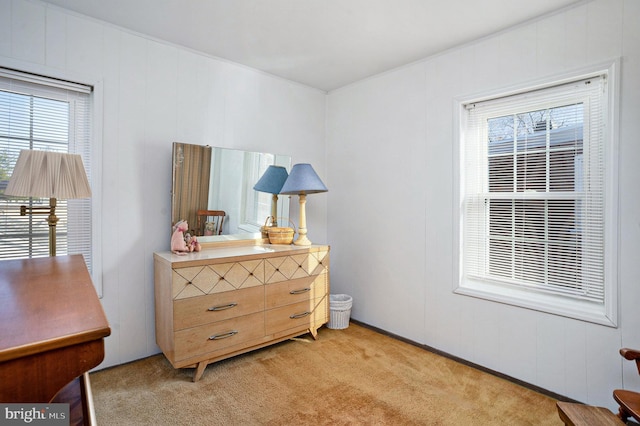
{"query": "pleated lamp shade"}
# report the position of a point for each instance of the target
(48, 174)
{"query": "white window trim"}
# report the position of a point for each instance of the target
(96, 151)
(606, 314)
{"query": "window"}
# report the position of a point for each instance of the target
(257, 204)
(535, 214)
(43, 114)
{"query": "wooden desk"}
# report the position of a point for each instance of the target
(52, 327)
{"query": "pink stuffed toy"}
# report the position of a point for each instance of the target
(181, 241)
(192, 242)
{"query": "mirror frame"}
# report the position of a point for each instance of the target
(178, 181)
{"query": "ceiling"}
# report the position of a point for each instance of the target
(324, 44)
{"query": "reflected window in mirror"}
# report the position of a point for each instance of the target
(257, 206)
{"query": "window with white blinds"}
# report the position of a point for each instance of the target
(43, 114)
(533, 197)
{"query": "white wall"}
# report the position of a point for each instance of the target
(155, 94)
(388, 166)
(390, 162)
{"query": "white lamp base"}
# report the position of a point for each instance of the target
(302, 239)
(302, 228)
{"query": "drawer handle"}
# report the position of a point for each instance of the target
(223, 307)
(304, 290)
(302, 315)
(223, 335)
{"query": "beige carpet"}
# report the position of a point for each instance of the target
(354, 376)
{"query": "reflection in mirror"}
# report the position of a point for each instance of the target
(210, 178)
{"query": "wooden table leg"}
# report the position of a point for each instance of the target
(314, 333)
(199, 370)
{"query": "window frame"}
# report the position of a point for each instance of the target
(604, 314)
(97, 108)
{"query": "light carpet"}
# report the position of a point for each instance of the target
(354, 376)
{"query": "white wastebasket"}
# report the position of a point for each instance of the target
(339, 311)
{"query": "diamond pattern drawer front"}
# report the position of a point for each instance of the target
(225, 301)
(200, 280)
(295, 266)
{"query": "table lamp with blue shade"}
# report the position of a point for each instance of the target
(271, 182)
(303, 180)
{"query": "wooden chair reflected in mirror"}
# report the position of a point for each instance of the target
(629, 401)
(209, 222)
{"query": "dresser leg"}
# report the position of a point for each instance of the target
(199, 371)
(314, 333)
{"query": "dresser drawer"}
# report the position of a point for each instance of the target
(210, 308)
(296, 266)
(307, 314)
(287, 292)
(218, 335)
(216, 278)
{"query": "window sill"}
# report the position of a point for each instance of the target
(524, 298)
(247, 227)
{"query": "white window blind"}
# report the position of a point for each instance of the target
(533, 183)
(44, 114)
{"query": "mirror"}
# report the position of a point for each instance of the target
(211, 178)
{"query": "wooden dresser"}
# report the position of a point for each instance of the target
(222, 302)
(52, 330)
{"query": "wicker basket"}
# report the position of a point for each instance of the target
(281, 234)
(340, 311)
(264, 230)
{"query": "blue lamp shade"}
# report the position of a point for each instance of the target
(272, 180)
(303, 179)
